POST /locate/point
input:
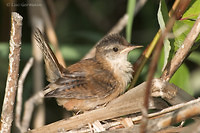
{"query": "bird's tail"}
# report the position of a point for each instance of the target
(53, 68)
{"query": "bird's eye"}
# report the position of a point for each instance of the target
(115, 49)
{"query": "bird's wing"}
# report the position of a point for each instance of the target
(53, 68)
(80, 85)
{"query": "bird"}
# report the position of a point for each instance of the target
(89, 83)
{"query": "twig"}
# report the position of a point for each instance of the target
(42, 13)
(38, 80)
(127, 122)
(61, 7)
(135, 120)
(162, 116)
(141, 61)
(177, 14)
(167, 110)
(115, 108)
(52, 9)
(93, 15)
(97, 126)
(38, 71)
(152, 70)
(29, 107)
(118, 27)
(182, 52)
(184, 113)
(51, 34)
(12, 79)
(20, 92)
(135, 129)
(139, 5)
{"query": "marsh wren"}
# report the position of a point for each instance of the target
(91, 82)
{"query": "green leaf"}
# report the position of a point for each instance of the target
(160, 64)
(130, 12)
(167, 49)
(186, 22)
(162, 14)
(193, 11)
(194, 57)
(181, 79)
(162, 19)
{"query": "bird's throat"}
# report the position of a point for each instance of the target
(121, 69)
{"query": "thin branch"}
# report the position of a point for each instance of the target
(118, 27)
(176, 15)
(182, 52)
(20, 92)
(139, 5)
(61, 7)
(52, 10)
(132, 119)
(161, 117)
(167, 110)
(41, 12)
(38, 80)
(177, 116)
(115, 108)
(152, 70)
(141, 61)
(93, 15)
(36, 99)
(12, 79)
(36, 20)
(51, 34)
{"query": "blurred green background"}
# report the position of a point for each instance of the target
(78, 29)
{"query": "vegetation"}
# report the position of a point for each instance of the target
(168, 31)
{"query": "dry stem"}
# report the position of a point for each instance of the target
(152, 70)
(36, 20)
(184, 113)
(115, 108)
(20, 92)
(177, 14)
(36, 99)
(12, 79)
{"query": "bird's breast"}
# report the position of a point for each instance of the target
(123, 72)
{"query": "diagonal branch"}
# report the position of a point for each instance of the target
(115, 108)
(182, 5)
(118, 27)
(182, 52)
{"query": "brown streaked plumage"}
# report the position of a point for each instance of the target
(91, 82)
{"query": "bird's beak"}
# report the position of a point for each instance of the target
(128, 49)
